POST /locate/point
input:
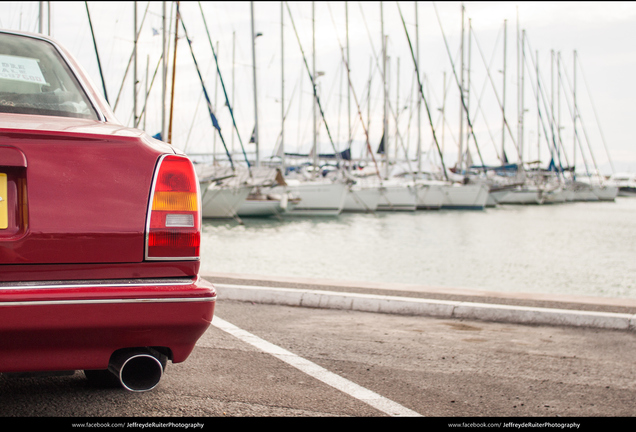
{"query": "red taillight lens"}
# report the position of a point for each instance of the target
(174, 216)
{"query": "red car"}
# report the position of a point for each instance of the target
(100, 228)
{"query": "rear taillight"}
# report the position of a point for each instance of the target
(173, 229)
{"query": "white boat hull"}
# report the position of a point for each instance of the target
(584, 195)
(316, 198)
(605, 193)
(522, 196)
(569, 194)
(362, 199)
(499, 195)
(460, 196)
(397, 197)
(222, 202)
(555, 196)
(429, 196)
(263, 207)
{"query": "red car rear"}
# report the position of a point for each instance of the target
(99, 229)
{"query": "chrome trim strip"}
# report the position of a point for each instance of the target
(108, 301)
(69, 64)
(95, 283)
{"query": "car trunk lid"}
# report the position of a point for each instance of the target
(73, 190)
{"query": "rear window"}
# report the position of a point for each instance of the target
(34, 79)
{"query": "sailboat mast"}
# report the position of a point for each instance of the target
(503, 103)
(552, 117)
(461, 96)
(397, 107)
(559, 104)
(216, 107)
(282, 89)
(519, 111)
(444, 113)
(233, 77)
(174, 72)
(419, 100)
(41, 18)
(523, 109)
(574, 112)
(468, 132)
(313, 73)
(369, 102)
(257, 162)
(349, 138)
(385, 131)
(538, 116)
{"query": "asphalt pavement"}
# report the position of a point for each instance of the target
(440, 302)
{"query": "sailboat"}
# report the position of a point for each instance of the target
(319, 195)
(396, 194)
(459, 191)
(269, 195)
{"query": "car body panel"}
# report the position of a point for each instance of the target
(75, 286)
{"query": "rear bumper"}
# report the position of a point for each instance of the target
(79, 324)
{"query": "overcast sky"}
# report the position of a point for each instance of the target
(602, 33)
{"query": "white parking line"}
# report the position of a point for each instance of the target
(375, 400)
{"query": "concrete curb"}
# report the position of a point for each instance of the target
(424, 307)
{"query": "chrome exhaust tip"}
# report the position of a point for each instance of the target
(138, 370)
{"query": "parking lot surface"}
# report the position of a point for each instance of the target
(427, 366)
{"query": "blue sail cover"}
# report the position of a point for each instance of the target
(502, 168)
(381, 146)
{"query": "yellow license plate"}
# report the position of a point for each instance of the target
(4, 204)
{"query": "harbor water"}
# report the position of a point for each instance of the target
(583, 248)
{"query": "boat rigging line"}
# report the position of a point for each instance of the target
(215, 123)
(99, 63)
(227, 100)
(498, 100)
(313, 83)
(538, 92)
(470, 124)
(419, 81)
(132, 56)
(595, 114)
(479, 109)
(355, 97)
(389, 106)
(143, 111)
